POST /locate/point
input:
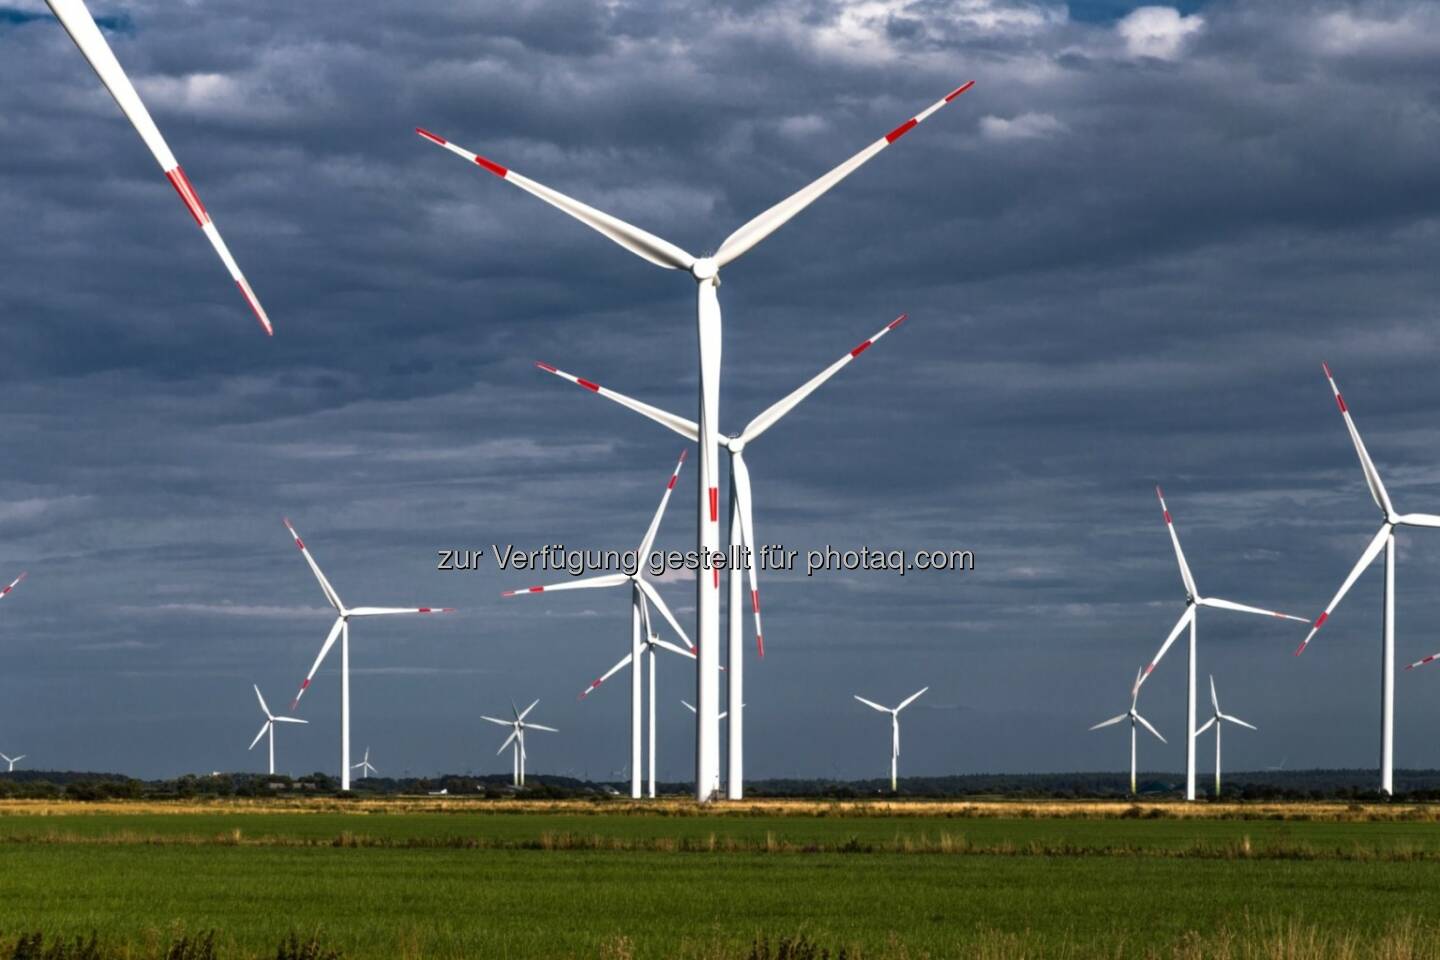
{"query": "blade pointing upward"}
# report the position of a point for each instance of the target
(1185, 574)
(1372, 475)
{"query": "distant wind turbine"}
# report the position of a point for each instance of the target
(11, 761)
(894, 731)
(1215, 721)
(364, 766)
(1134, 717)
(341, 629)
(516, 740)
(269, 727)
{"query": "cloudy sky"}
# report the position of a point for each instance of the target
(1124, 254)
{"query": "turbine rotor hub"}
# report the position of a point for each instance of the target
(705, 269)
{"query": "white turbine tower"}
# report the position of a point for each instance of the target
(742, 527)
(269, 727)
(640, 591)
(1215, 721)
(894, 731)
(1134, 717)
(1384, 539)
(706, 273)
(1193, 602)
(518, 726)
(76, 20)
(341, 629)
(651, 643)
(364, 766)
(11, 761)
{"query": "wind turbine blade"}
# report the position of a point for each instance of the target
(1185, 575)
(1111, 722)
(688, 706)
(625, 662)
(19, 758)
(653, 595)
(872, 703)
(771, 220)
(1418, 520)
(392, 611)
(1372, 475)
(1146, 724)
(642, 243)
(319, 659)
(654, 527)
(1214, 700)
(263, 707)
(1366, 558)
(686, 428)
(1175, 631)
(1242, 608)
(673, 648)
(540, 726)
(588, 583)
(513, 734)
(1135, 690)
(526, 712)
(13, 584)
(1226, 716)
(287, 720)
(328, 590)
(768, 417)
(263, 727)
(76, 20)
(503, 723)
(910, 699)
(1208, 724)
(1424, 660)
(747, 537)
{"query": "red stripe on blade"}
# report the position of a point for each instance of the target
(897, 321)
(537, 589)
(901, 130)
(959, 90)
(493, 167)
(1340, 401)
(182, 186)
(755, 600)
(545, 366)
(1321, 619)
(430, 136)
(594, 387)
(862, 348)
(715, 508)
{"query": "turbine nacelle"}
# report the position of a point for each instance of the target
(705, 269)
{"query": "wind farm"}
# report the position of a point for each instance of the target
(1115, 250)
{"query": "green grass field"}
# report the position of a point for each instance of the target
(474, 882)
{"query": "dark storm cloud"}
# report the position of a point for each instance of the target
(1124, 253)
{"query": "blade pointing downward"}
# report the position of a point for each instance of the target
(595, 684)
(604, 580)
(76, 20)
(747, 536)
(1366, 558)
(643, 244)
(319, 659)
(1146, 724)
(263, 727)
(5, 592)
(777, 216)
(686, 428)
(1242, 608)
(1111, 722)
(1180, 625)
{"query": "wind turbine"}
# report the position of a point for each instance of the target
(651, 643)
(1215, 722)
(706, 273)
(518, 726)
(1134, 717)
(76, 20)
(894, 730)
(1193, 602)
(269, 727)
(640, 591)
(11, 761)
(742, 527)
(341, 629)
(1384, 538)
(364, 766)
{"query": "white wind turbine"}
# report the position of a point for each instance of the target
(341, 629)
(269, 726)
(1384, 539)
(742, 527)
(1134, 717)
(518, 726)
(11, 761)
(76, 20)
(651, 643)
(364, 766)
(640, 591)
(1193, 602)
(1215, 721)
(706, 273)
(894, 731)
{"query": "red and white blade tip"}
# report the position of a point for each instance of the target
(435, 610)
(516, 593)
(1420, 663)
(546, 367)
(959, 90)
(1326, 367)
(897, 321)
(586, 692)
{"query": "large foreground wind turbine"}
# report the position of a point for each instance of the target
(76, 20)
(894, 731)
(1193, 602)
(706, 273)
(269, 727)
(640, 591)
(11, 761)
(341, 629)
(652, 642)
(1216, 720)
(518, 726)
(1384, 539)
(742, 527)
(1135, 719)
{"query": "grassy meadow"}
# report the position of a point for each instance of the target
(511, 879)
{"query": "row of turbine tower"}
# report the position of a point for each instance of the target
(1384, 539)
